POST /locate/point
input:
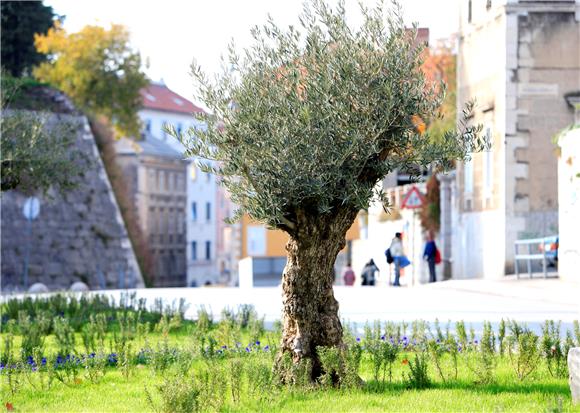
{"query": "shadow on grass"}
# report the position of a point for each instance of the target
(373, 386)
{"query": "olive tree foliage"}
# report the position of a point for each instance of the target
(36, 154)
(308, 119)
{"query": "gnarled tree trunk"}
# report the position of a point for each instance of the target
(310, 314)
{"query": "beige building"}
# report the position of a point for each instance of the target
(519, 59)
(157, 183)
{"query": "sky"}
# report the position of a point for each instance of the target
(170, 33)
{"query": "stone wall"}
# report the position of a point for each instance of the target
(78, 236)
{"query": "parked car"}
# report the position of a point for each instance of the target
(551, 245)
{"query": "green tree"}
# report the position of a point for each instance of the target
(98, 70)
(21, 20)
(36, 155)
(304, 125)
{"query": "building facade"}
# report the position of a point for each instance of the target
(156, 175)
(519, 59)
(162, 106)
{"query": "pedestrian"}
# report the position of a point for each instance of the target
(368, 273)
(398, 256)
(429, 255)
(348, 275)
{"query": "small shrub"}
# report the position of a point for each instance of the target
(256, 328)
(179, 394)
(236, 371)
(204, 320)
(552, 349)
(65, 336)
(461, 334)
(418, 376)
(501, 337)
(522, 348)
(352, 358)
(485, 356)
(246, 313)
(260, 380)
(32, 334)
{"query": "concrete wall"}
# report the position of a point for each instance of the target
(518, 59)
(78, 236)
(569, 206)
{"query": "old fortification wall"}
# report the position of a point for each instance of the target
(78, 236)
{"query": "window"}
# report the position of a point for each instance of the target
(208, 177)
(193, 250)
(161, 180)
(148, 125)
(488, 5)
(468, 175)
(208, 211)
(488, 164)
(469, 11)
(194, 211)
(179, 128)
(163, 133)
(208, 250)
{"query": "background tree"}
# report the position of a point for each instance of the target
(98, 70)
(440, 66)
(431, 210)
(319, 116)
(21, 20)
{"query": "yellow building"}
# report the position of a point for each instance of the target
(258, 241)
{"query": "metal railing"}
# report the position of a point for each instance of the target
(529, 256)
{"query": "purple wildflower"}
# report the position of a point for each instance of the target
(248, 349)
(258, 342)
(267, 348)
(358, 339)
(383, 337)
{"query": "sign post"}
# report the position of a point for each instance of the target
(30, 210)
(413, 200)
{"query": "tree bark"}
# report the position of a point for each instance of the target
(310, 311)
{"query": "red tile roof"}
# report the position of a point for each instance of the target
(159, 97)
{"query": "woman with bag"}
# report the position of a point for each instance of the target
(399, 258)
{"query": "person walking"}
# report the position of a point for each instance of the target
(348, 275)
(396, 250)
(429, 255)
(368, 273)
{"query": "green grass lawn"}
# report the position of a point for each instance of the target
(114, 393)
(166, 364)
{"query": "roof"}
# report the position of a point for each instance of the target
(156, 147)
(148, 145)
(157, 96)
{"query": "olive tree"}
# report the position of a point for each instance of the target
(304, 124)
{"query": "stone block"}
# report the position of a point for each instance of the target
(38, 288)
(53, 269)
(574, 371)
(78, 287)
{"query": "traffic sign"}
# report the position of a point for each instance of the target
(31, 208)
(414, 199)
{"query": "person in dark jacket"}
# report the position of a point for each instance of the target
(368, 273)
(429, 256)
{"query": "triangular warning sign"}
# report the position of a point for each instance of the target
(413, 199)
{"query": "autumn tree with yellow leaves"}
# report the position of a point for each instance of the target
(98, 69)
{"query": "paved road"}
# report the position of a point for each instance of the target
(530, 301)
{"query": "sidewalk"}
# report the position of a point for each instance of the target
(531, 301)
